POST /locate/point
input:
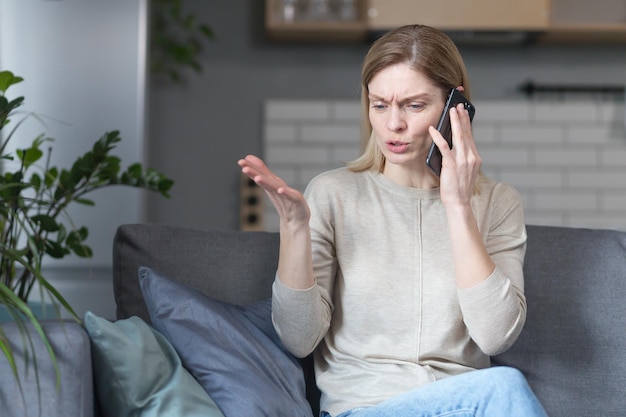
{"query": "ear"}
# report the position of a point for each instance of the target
(461, 88)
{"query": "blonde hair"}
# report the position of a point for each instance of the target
(425, 49)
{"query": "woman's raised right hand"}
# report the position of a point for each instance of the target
(289, 202)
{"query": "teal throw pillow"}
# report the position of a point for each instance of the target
(138, 373)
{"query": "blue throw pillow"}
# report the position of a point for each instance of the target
(233, 351)
(138, 373)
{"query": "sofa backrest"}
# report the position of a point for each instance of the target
(572, 349)
(573, 346)
(237, 267)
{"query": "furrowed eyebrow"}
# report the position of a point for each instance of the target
(375, 97)
(420, 96)
(416, 97)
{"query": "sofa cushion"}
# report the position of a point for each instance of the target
(73, 397)
(233, 351)
(138, 373)
(572, 346)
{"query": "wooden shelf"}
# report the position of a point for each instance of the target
(308, 31)
(584, 22)
(485, 15)
(302, 29)
(551, 21)
(584, 33)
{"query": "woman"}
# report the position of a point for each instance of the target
(403, 283)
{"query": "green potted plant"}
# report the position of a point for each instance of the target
(177, 40)
(34, 223)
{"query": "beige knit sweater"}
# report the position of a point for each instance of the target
(385, 315)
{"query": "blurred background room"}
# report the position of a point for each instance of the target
(281, 79)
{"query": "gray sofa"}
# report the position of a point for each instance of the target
(572, 349)
(74, 397)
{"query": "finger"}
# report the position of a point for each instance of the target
(466, 134)
(457, 129)
(441, 143)
(269, 181)
(250, 163)
(255, 168)
(253, 162)
(466, 123)
(466, 153)
(247, 170)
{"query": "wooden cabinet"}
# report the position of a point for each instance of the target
(582, 21)
(573, 21)
(302, 20)
(460, 14)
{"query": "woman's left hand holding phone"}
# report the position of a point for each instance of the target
(460, 168)
(461, 164)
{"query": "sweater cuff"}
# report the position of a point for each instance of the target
(496, 286)
(283, 293)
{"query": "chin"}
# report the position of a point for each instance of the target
(401, 159)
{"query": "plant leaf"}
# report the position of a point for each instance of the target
(66, 185)
(7, 79)
(55, 249)
(56, 295)
(206, 31)
(47, 223)
(51, 176)
(29, 156)
(75, 241)
(6, 349)
(12, 300)
(35, 181)
(85, 202)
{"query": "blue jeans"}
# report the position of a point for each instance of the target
(492, 392)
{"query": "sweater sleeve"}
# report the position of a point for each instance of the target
(494, 311)
(302, 317)
(299, 317)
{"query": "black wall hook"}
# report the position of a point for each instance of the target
(531, 88)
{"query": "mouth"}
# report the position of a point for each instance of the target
(397, 146)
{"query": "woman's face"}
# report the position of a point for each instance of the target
(403, 104)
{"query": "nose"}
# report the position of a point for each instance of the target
(396, 120)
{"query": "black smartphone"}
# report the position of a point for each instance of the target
(433, 160)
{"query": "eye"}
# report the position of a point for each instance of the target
(378, 105)
(415, 106)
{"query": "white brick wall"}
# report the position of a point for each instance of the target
(567, 158)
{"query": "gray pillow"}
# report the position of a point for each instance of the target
(138, 373)
(233, 351)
